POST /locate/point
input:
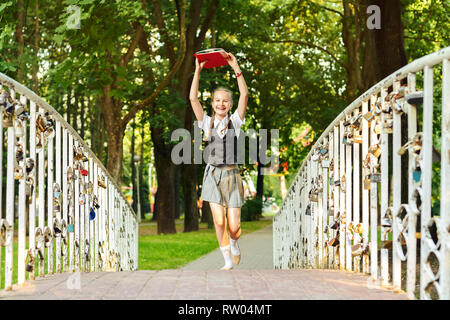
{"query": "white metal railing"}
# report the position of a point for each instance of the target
(347, 192)
(66, 204)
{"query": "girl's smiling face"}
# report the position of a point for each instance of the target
(221, 103)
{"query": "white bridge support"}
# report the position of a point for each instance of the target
(352, 189)
(70, 214)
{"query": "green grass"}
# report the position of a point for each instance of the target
(171, 251)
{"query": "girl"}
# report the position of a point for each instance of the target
(222, 184)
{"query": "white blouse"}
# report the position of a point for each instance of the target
(220, 124)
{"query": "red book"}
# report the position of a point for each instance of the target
(216, 57)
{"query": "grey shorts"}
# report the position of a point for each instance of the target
(223, 185)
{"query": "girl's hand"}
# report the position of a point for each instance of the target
(232, 61)
(199, 66)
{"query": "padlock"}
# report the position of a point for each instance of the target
(308, 210)
(19, 152)
(357, 138)
(91, 214)
(377, 129)
(368, 116)
(314, 197)
(357, 249)
(388, 127)
(335, 225)
(30, 261)
(7, 120)
(367, 183)
(347, 141)
(29, 165)
(56, 227)
(375, 177)
(18, 173)
(29, 186)
(5, 233)
(358, 228)
(325, 163)
(40, 124)
(415, 98)
(84, 172)
(19, 132)
(48, 236)
(386, 244)
(416, 174)
(101, 182)
(335, 241)
(95, 202)
(386, 222)
(375, 150)
(331, 211)
(81, 199)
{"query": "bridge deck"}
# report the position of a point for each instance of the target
(254, 278)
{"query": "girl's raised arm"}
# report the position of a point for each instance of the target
(243, 97)
(193, 95)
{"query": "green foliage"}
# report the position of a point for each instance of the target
(252, 209)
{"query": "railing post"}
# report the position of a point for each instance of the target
(427, 245)
(356, 197)
(32, 203)
(343, 216)
(10, 208)
(21, 205)
(337, 196)
(444, 227)
(397, 192)
(50, 199)
(384, 192)
(373, 204)
(365, 191)
(348, 203)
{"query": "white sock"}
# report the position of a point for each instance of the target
(227, 257)
(234, 247)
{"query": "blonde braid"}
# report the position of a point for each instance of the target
(228, 122)
(208, 134)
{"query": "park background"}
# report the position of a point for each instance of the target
(120, 72)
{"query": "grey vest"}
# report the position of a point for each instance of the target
(222, 151)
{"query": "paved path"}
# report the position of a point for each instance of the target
(256, 253)
(255, 278)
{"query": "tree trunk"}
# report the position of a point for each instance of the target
(111, 110)
(133, 167)
(351, 26)
(165, 170)
(207, 214)
(177, 193)
(141, 174)
(390, 38)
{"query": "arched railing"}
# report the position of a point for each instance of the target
(344, 209)
(70, 214)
